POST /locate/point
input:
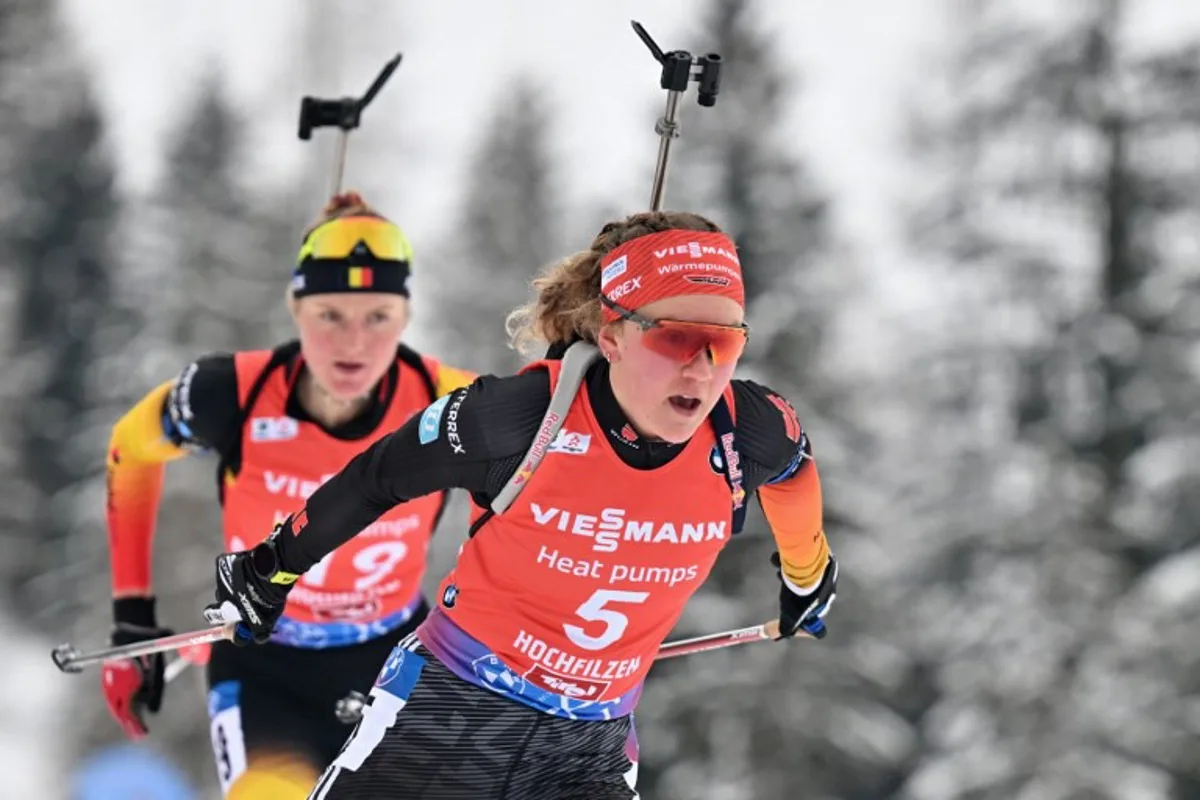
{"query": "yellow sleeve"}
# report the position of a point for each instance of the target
(137, 453)
(447, 379)
(793, 510)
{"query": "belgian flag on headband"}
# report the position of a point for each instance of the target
(360, 277)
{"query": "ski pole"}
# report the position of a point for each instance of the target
(69, 659)
(717, 641)
(349, 708)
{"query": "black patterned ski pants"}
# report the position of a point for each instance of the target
(429, 735)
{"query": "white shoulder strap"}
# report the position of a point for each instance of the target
(576, 361)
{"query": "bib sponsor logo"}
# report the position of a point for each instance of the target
(571, 443)
(577, 677)
(574, 688)
(273, 429)
(291, 485)
(358, 612)
(611, 527)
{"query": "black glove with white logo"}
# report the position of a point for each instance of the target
(806, 611)
(251, 590)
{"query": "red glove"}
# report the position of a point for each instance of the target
(134, 686)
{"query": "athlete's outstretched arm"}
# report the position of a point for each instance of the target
(194, 410)
(470, 439)
(198, 409)
(789, 490)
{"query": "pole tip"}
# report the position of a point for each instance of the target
(63, 656)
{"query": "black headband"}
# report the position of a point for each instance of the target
(357, 274)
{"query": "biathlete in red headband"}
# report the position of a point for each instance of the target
(606, 479)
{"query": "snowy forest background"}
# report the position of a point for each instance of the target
(1003, 400)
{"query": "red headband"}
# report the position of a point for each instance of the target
(670, 264)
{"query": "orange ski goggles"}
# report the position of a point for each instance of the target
(353, 254)
(345, 237)
(681, 340)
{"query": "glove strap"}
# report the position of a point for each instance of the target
(265, 561)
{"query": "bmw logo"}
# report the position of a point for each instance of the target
(391, 667)
(716, 460)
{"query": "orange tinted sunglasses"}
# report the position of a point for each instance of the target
(682, 341)
(343, 237)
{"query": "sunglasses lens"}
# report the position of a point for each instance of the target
(341, 238)
(683, 341)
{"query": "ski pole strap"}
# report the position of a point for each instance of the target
(575, 365)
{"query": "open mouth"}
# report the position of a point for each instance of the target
(348, 367)
(684, 403)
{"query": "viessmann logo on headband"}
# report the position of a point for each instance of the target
(670, 263)
(696, 250)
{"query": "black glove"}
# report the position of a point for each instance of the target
(251, 590)
(133, 686)
(806, 612)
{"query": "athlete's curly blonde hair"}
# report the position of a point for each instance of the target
(568, 292)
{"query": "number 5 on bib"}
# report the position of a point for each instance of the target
(593, 610)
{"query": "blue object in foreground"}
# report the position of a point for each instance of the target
(129, 772)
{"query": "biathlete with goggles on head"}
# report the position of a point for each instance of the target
(280, 422)
(602, 496)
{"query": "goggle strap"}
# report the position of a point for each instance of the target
(333, 276)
